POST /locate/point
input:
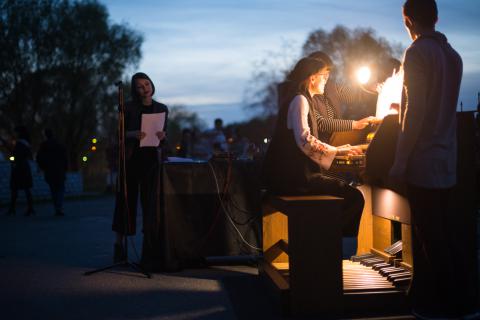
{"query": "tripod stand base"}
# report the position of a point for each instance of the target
(125, 263)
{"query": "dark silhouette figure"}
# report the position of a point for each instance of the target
(52, 160)
(21, 175)
(216, 137)
(186, 144)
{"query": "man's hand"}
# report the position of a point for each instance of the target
(362, 123)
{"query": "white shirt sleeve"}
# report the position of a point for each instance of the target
(297, 120)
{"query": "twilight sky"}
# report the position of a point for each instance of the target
(202, 53)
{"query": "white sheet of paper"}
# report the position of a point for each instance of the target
(151, 124)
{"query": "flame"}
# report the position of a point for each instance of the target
(391, 92)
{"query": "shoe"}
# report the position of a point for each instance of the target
(118, 253)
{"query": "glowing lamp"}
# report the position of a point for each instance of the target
(265, 140)
(93, 148)
(85, 159)
(12, 158)
(94, 140)
(363, 75)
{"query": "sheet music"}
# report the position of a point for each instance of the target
(151, 124)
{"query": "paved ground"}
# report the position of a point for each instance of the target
(43, 258)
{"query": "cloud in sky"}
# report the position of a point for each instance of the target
(203, 52)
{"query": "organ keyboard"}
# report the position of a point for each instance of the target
(383, 264)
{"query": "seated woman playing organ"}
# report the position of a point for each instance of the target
(296, 158)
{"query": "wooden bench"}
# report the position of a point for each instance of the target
(302, 252)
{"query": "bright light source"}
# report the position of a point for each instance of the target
(94, 140)
(363, 75)
(12, 158)
(265, 140)
(85, 159)
(93, 148)
(389, 92)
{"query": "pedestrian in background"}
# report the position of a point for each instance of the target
(52, 160)
(21, 175)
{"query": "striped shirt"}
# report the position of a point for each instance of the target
(329, 122)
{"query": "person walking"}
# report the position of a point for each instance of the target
(52, 160)
(21, 174)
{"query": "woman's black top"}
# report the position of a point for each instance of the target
(133, 122)
(286, 168)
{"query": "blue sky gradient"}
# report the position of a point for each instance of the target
(203, 52)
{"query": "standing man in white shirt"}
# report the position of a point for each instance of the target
(426, 160)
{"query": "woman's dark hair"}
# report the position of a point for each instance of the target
(302, 71)
(423, 12)
(133, 88)
(322, 56)
(296, 79)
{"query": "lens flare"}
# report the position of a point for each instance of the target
(363, 75)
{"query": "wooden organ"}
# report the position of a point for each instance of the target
(376, 279)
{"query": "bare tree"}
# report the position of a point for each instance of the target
(347, 48)
(260, 94)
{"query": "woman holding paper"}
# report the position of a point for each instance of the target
(145, 127)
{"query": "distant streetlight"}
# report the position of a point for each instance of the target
(94, 140)
(85, 159)
(93, 148)
(12, 158)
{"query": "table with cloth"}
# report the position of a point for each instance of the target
(205, 209)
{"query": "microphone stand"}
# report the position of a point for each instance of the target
(122, 183)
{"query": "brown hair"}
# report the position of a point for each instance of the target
(423, 12)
